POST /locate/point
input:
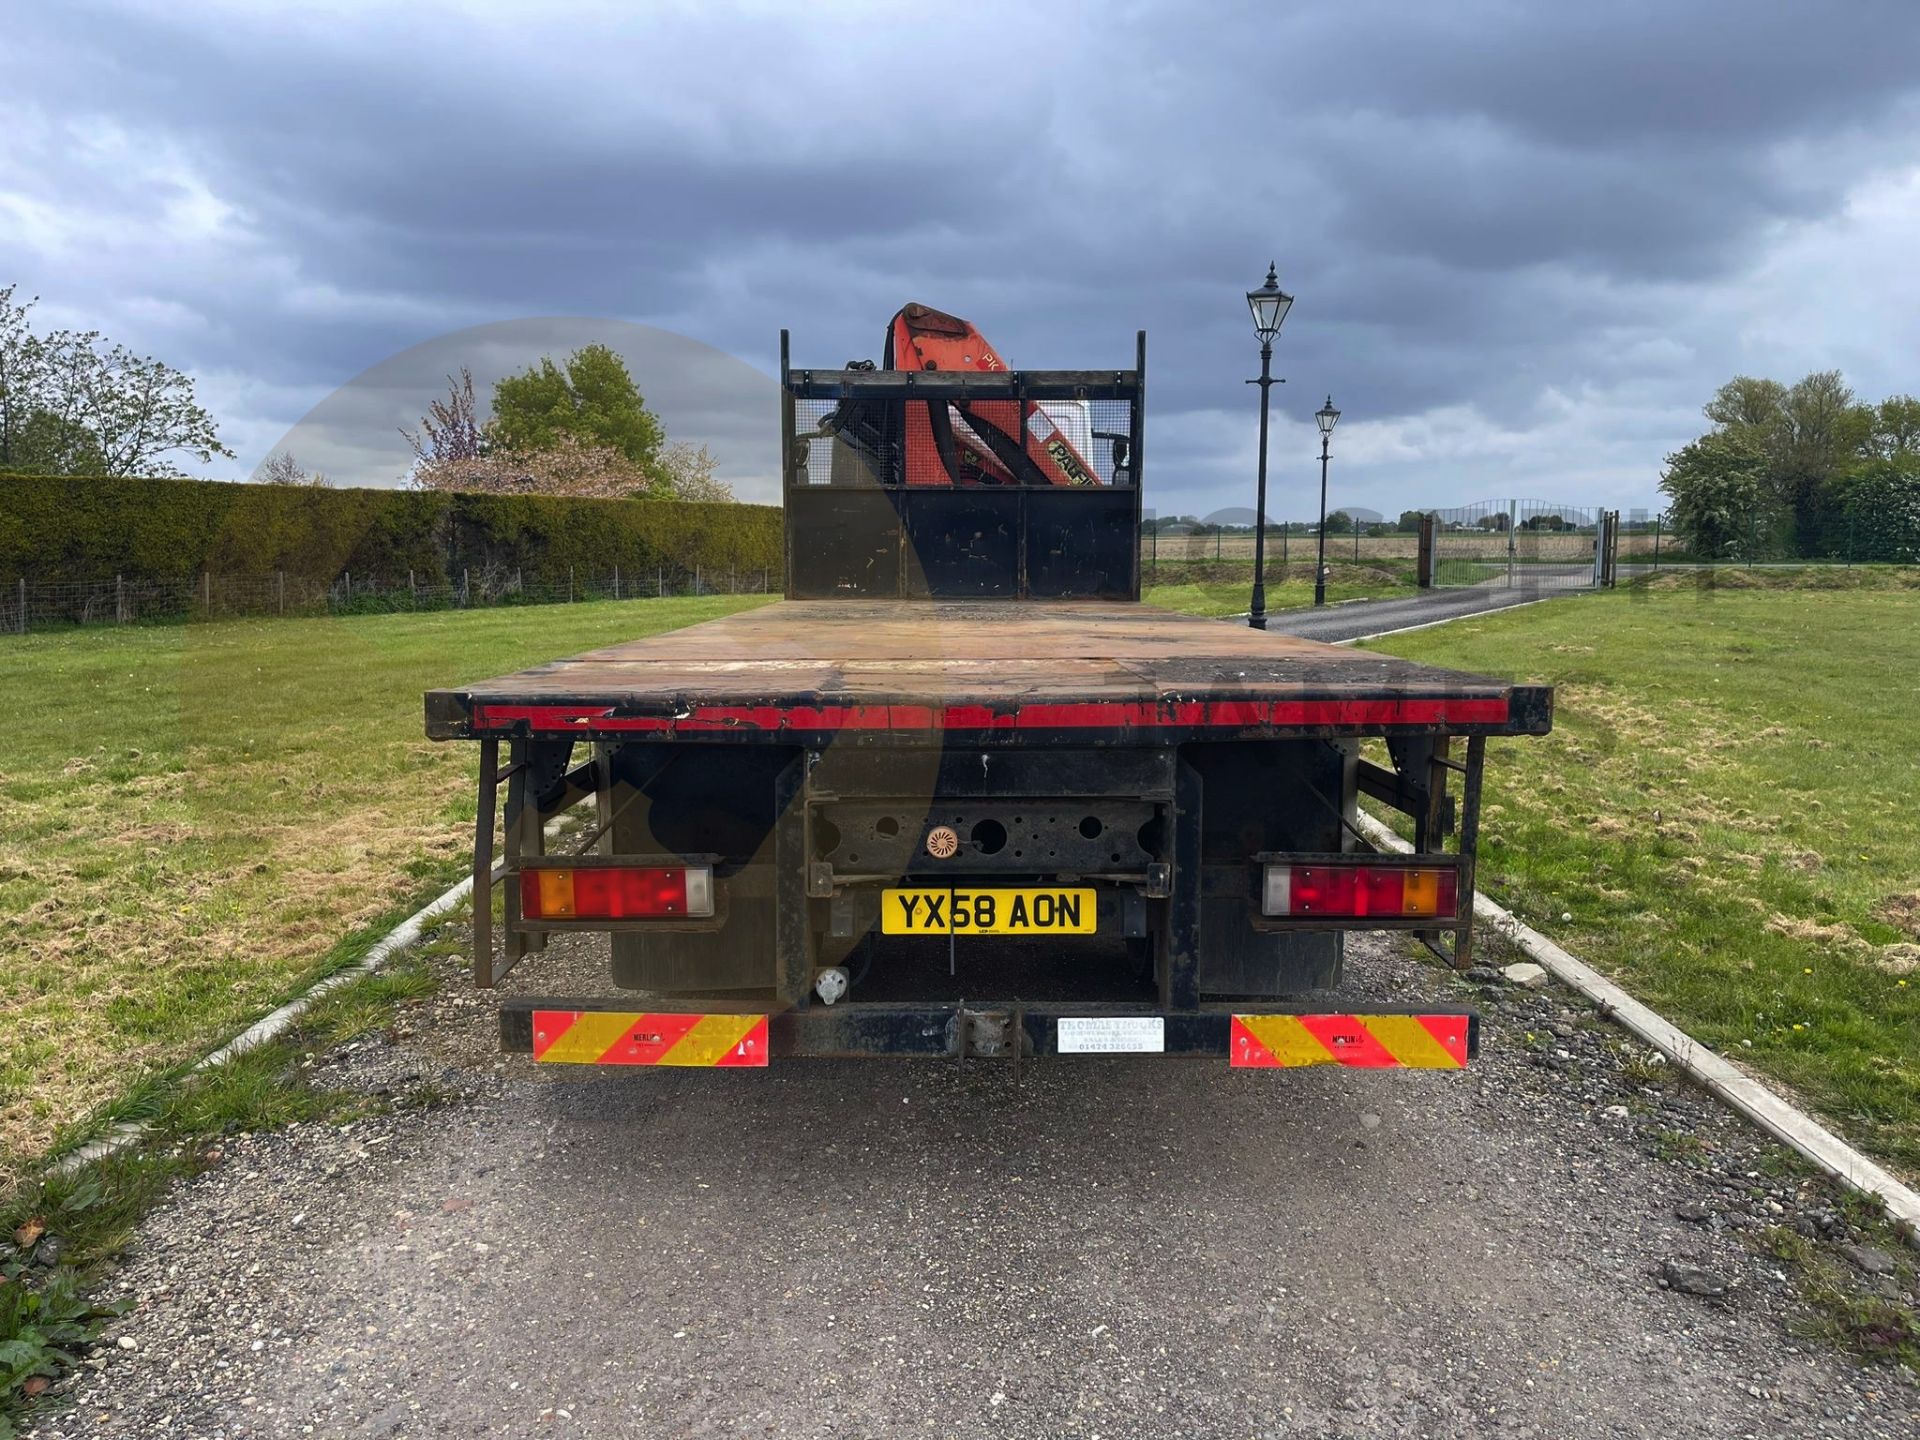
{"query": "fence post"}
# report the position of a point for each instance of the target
(569, 584)
(280, 590)
(206, 591)
(120, 599)
(696, 578)
(23, 604)
(616, 582)
(466, 592)
(659, 581)
(1656, 543)
(1356, 539)
(766, 581)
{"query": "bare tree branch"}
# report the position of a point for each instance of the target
(451, 430)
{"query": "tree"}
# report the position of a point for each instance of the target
(1879, 501)
(20, 377)
(1409, 523)
(567, 467)
(686, 473)
(282, 469)
(1895, 428)
(592, 402)
(72, 403)
(1339, 520)
(1825, 432)
(1720, 491)
(581, 429)
(137, 408)
(451, 430)
(47, 442)
(1758, 407)
(1806, 436)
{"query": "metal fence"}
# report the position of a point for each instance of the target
(1753, 539)
(1533, 541)
(1530, 544)
(27, 605)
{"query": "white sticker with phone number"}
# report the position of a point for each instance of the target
(1112, 1035)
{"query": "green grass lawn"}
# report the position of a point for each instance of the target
(196, 814)
(1728, 810)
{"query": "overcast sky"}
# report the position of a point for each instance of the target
(1527, 241)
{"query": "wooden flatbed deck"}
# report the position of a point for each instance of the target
(913, 670)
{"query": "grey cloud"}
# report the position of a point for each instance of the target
(1482, 207)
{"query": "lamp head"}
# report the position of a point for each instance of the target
(1269, 305)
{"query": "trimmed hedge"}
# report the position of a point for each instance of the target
(56, 528)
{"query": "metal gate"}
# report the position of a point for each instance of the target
(1520, 544)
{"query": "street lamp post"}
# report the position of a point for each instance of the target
(1269, 305)
(1326, 417)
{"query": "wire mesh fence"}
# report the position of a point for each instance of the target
(1531, 544)
(1860, 536)
(28, 604)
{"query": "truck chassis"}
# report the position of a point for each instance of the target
(962, 695)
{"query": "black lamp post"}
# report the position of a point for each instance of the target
(1269, 305)
(1326, 417)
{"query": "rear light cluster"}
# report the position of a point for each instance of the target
(617, 892)
(1359, 892)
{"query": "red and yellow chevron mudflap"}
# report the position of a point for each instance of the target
(622, 1037)
(1371, 1042)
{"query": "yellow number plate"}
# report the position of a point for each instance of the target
(986, 912)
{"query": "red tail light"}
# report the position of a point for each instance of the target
(617, 892)
(1332, 891)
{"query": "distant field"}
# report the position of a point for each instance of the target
(1220, 590)
(1293, 549)
(1728, 816)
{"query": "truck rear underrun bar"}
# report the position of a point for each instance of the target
(984, 1030)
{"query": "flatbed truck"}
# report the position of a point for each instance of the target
(961, 793)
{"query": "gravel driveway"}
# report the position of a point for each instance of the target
(1111, 1247)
